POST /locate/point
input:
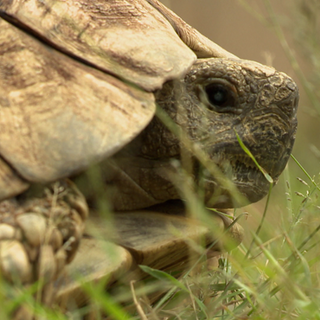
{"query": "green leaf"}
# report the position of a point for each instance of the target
(163, 276)
(247, 151)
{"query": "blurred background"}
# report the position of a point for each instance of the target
(250, 29)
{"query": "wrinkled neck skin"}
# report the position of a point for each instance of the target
(217, 99)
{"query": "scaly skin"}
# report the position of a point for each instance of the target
(76, 76)
(217, 98)
(39, 235)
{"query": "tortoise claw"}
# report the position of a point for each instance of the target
(39, 236)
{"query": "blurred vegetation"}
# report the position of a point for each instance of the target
(274, 274)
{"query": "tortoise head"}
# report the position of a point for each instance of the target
(222, 98)
(227, 98)
(216, 101)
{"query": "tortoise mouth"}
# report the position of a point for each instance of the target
(248, 182)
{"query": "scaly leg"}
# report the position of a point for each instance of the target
(38, 237)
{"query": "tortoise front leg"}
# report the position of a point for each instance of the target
(38, 237)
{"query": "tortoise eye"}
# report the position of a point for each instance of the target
(217, 94)
(220, 97)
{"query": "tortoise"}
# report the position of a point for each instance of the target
(81, 82)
